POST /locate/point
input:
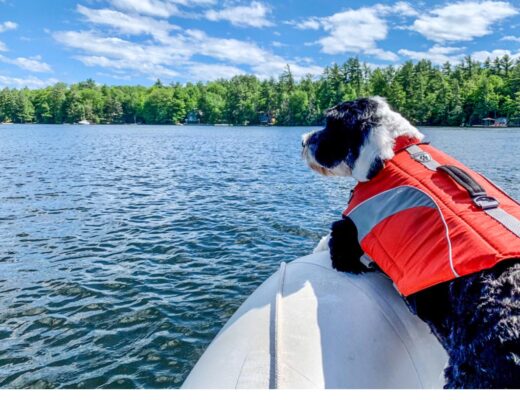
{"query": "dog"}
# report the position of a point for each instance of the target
(476, 317)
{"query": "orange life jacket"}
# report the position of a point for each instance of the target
(425, 218)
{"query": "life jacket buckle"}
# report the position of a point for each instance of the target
(422, 157)
(486, 202)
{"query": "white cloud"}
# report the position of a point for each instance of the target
(114, 47)
(152, 70)
(169, 58)
(262, 62)
(401, 8)
(355, 31)
(439, 54)
(233, 50)
(209, 72)
(462, 21)
(436, 54)
(154, 8)
(405, 9)
(157, 8)
(511, 38)
(169, 52)
(128, 24)
(312, 23)
(119, 54)
(33, 64)
(483, 55)
(31, 82)
(7, 26)
(276, 43)
(382, 54)
(253, 15)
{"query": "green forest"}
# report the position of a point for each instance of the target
(426, 94)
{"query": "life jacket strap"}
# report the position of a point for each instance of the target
(423, 157)
(506, 219)
(480, 198)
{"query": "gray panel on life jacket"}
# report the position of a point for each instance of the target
(372, 211)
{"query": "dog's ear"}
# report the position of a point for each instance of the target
(355, 120)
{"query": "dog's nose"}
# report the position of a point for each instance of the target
(305, 138)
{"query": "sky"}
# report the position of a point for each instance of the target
(127, 42)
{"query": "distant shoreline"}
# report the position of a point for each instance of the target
(246, 126)
(468, 93)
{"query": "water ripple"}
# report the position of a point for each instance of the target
(124, 250)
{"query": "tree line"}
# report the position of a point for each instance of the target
(424, 93)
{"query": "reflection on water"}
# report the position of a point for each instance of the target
(124, 249)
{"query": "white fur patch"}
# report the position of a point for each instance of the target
(341, 170)
(381, 140)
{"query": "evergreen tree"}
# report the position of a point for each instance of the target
(424, 93)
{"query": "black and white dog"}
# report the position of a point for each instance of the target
(475, 317)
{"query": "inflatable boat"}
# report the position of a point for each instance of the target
(309, 326)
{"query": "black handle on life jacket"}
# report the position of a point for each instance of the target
(477, 193)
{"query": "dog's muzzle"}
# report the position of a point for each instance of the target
(308, 139)
(305, 145)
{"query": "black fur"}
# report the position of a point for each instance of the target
(347, 127)
(377, 165)
(476, 317)
(345, 249)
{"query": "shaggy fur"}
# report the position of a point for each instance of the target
(477, 317)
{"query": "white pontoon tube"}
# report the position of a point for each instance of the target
(309, 326)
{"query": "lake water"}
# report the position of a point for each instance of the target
(124, 249)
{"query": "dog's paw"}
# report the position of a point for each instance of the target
(350, 266)
(323, 245)
(345, 251)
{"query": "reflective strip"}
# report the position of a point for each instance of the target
(371, 212)
(423, 157)
(367, 214)
(509, 221)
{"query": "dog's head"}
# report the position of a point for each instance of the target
(358, 137)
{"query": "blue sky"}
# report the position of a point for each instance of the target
(138, 41)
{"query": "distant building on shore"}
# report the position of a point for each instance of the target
(193, 117)
(266, 119)
(495, 122)
(500, 122)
